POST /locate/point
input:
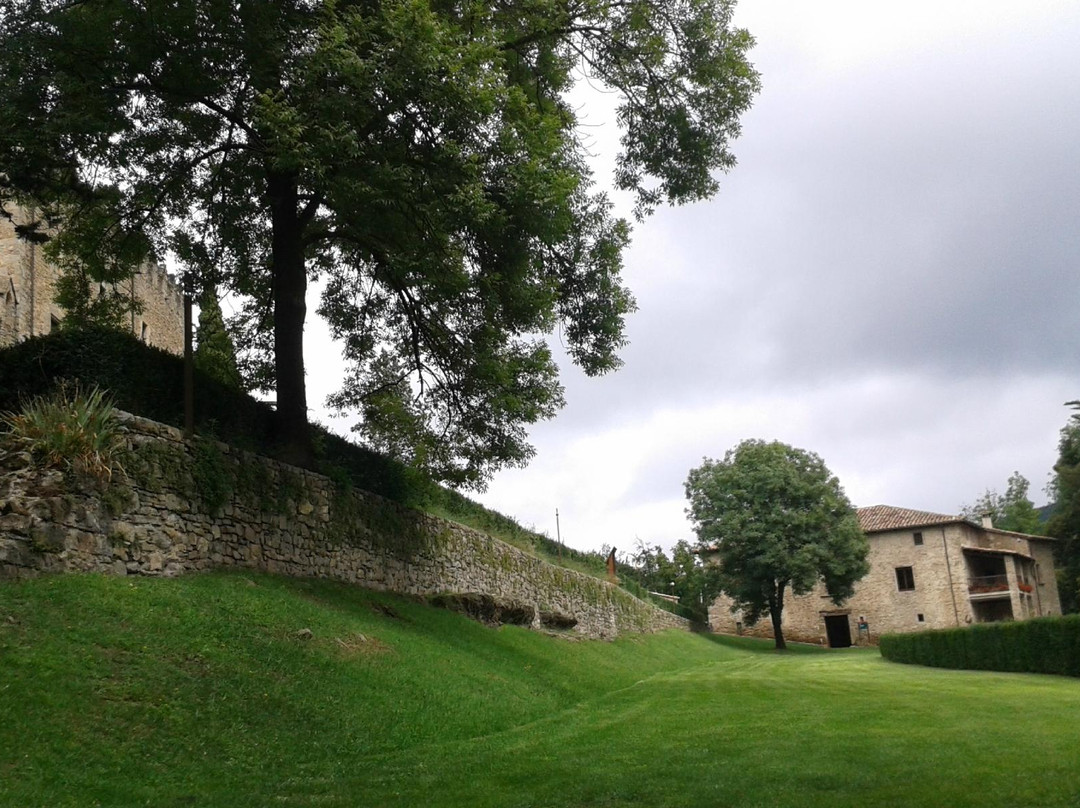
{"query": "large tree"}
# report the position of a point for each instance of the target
(1012, 510)
(422, 157)
(776, 519)
(1064, 524)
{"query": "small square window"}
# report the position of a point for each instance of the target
(921, 618)
(905, 579)
(918, 538)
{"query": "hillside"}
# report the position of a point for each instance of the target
(148, 382)
(209, 690)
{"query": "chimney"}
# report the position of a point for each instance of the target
(987, 522)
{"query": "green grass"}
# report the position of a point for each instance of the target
(197, 691)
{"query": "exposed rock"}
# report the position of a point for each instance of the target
(486, 608)
(557, 620)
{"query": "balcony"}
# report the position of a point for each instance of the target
(987, 587)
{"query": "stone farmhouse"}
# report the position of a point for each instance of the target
(927, 570)
(28, 289)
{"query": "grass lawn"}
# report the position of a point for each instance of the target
(198, 691)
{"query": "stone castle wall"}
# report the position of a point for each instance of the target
(199, 506)
(28, 289)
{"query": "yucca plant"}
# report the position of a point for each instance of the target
(71, 429)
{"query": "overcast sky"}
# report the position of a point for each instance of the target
(887, 278)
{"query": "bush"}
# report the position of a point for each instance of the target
(70, 429)
(1044, 645)
(142, 380)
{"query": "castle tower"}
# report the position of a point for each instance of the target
(28, 288)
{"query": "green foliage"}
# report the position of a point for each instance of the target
(215, 354)
(425, 160)
(140, 379)
(213, 475)
(1011, 511)
(71, 429)
(684, 574)
(1043, 645)
(1064, 524)
(776, 517)
(98, 258)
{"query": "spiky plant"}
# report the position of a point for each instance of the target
(71, 429)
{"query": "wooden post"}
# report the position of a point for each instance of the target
(189, 364)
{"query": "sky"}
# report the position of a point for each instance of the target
(887, 278)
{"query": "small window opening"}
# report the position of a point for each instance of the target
(145, 331)
(921, 618)
(918, 538)
(54, 322)
(905, 579)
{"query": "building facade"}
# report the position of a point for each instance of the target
(28, 291)
(927, 570)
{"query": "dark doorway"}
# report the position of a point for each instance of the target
(838, 630)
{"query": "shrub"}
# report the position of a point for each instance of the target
(1044, 645)
(70, 429)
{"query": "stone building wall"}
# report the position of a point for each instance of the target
(28, 289)
(941, 598)
(199, 506)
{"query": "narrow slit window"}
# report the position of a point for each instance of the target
(918, 538)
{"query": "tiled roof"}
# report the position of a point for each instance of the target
(886, 517)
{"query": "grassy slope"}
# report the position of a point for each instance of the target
(196, 691)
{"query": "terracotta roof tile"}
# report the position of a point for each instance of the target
(885, 517)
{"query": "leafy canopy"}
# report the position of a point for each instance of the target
(775, 517)
(1064, 524)
(420, 157)
(683, 574)
(1012, 510)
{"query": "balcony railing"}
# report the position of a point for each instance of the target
(978, 584)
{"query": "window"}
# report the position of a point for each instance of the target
(905, 579)
(921, 618)
(145, 331)
(918, 538)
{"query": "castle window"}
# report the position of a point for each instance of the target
(918, 538)
(145, 332)
(905, 579)
(54, 322)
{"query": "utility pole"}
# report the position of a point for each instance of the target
(558, 534)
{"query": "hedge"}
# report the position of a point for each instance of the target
(1043, 645)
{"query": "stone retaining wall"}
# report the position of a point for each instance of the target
(197, 506)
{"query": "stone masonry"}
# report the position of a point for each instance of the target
(269, 516)
(28, 289)
(926, 571)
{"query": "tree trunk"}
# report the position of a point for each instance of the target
(290, 310)
(776, 611)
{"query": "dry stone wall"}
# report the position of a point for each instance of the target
(199, 506)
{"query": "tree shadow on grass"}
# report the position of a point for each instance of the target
(759, 645)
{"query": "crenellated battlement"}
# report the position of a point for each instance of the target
(28, 292)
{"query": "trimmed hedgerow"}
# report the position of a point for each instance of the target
(142, 380)
(1044, 645)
